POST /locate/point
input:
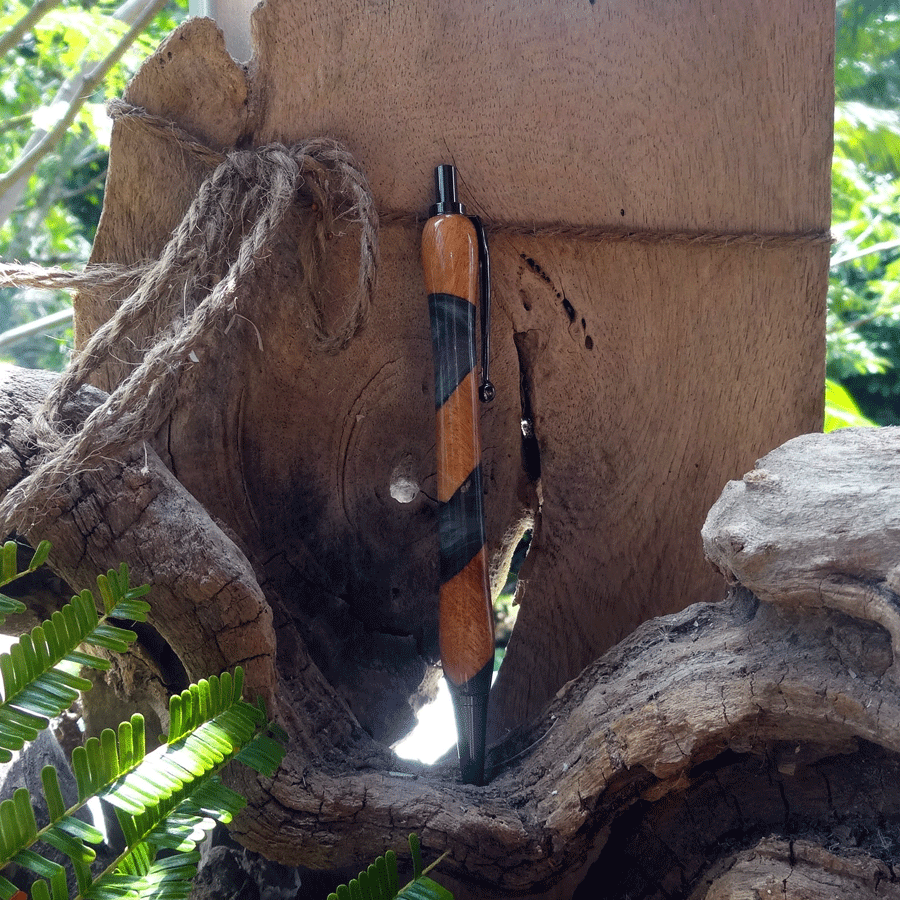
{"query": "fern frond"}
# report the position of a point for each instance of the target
(40, 672)
(379, 881)
(167, 799)
(9, 572)
(165, 879)
(210, 726)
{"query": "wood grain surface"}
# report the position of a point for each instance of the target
(652, 374)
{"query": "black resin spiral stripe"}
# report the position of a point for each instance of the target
(461, 525)
(461, 518)
(453, 341)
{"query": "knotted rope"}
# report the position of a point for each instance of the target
(197, 286)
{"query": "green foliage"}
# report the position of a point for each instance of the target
(867, 52)
(864, 290)
(841, 410)
(379, 881)
(40, 672)
(55, 221)
(165, 800)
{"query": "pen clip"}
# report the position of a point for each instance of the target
(486, 390)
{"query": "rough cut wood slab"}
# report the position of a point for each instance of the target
(651, 374)
(817, 524)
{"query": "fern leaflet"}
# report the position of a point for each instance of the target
(40, 672)
(379, 881)
(9, 572)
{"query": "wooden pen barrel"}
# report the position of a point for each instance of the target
(450, 264)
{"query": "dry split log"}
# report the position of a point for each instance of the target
(650, 775)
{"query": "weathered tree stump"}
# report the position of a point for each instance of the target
(713, 752)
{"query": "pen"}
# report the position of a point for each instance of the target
(456, 266)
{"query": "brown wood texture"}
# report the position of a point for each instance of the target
(801, 870)
(467, 621)
(709, 753)
(813, 524)
(653, 374)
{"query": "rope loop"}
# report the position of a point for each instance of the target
(200, 282)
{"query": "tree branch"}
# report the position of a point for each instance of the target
(25, 24)
(61, 318)
(73, 93)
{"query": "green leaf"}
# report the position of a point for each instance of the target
(7, 889)
(869, 134)
(415, 849)
(55, 804)
(426, 889)
(8, 566)
(112, 638)
(41, 553)
(80, 830)
(36, 863)
(66, 843)
(379, 881)
(263, 754)
(841, 410)
(10, 606)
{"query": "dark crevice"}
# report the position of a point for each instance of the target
(531, 452)
(171, 669)
(536, 268)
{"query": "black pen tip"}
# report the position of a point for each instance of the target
(470, 703)
(445, 192)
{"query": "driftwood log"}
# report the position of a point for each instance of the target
(731, 748)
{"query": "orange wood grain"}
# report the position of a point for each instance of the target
(450, 257)
(458, 438)
(467, 621)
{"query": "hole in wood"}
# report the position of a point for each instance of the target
(404, 487)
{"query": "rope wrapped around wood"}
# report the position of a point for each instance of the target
(195, 289)
(196, 284)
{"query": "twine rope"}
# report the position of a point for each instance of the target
(199, 285)
(160, 127)
(196, 288)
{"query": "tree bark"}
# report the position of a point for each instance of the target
(813, 524)
(653, 774)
